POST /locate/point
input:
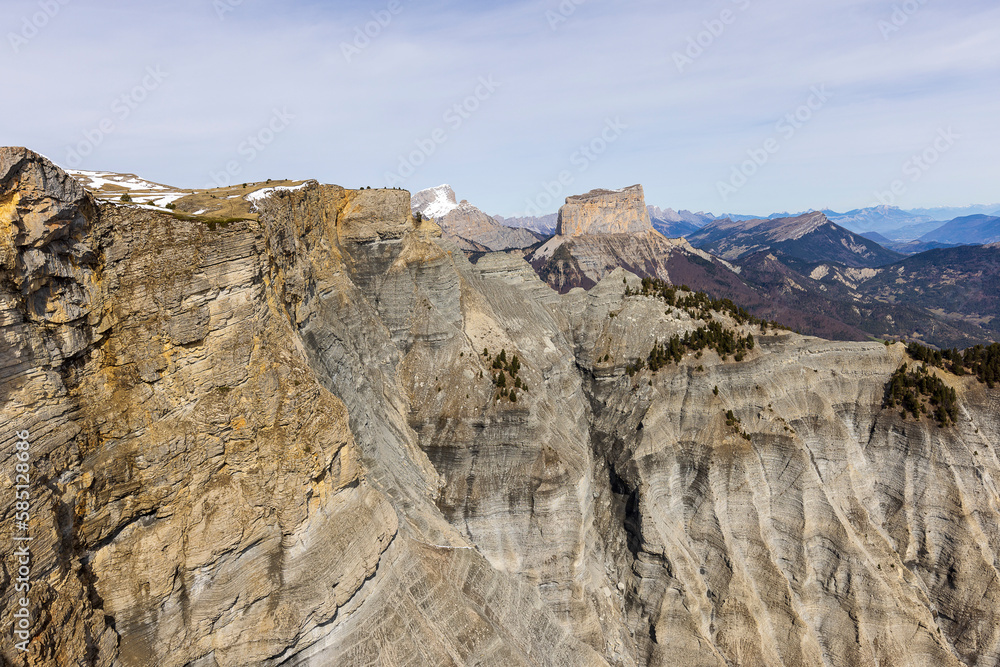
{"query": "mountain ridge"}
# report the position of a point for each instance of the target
(810, 237)
(968, 230)
(806, 272)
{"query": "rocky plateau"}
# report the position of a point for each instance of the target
(605, 212)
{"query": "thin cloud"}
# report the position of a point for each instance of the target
(562, 75)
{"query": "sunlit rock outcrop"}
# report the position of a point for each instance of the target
(286, 441)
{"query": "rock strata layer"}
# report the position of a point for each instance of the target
(605, 212)
(283, 442)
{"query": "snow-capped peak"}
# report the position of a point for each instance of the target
(434, 202)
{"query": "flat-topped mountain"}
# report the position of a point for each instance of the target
(604, 230)
(605, 212)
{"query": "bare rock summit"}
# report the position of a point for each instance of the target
(435, 202)
(467, 226)
(605, 212)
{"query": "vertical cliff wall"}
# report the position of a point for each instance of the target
(605, 212)
(201, 497)
(282, 442)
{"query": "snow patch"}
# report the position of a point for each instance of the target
(95, 180)
(257, 195)
(169, 199)
(441, 204)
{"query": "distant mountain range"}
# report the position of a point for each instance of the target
(677, 224)
(877, 272)
(811, 238)
(889, 221)
(971, 229)
(952, 212)
(545, 224)
(804, 271)
(906, 247)
(674, 230)
(914, 231)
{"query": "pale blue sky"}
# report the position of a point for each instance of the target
(558, 75)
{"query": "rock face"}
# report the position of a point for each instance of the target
(566, 262)
(605, 212)
(466, 225)
(281, 442)
(200, 496)
(607, 229)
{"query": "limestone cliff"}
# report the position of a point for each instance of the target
(608, 229)
(566, 262)
(605, 212)
(282, 442)
(200, 494)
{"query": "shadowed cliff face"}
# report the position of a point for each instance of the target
(281, 442)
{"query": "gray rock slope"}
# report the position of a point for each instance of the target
(467, 226)
(278, 442)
